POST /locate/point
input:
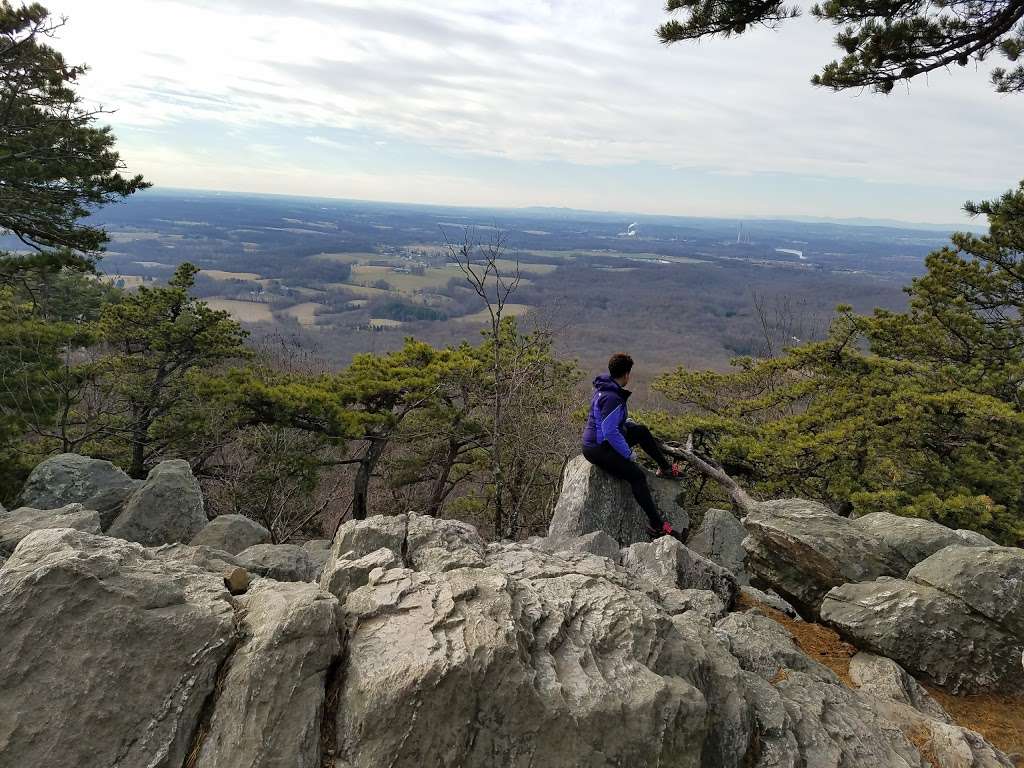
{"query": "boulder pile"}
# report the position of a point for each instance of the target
(417, 643)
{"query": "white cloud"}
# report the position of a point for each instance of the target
(580, 81)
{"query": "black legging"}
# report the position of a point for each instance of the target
(617, 465)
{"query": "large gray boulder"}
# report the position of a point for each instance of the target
(69, 478)
(990, 580)
(107, 653)
(958, 618)
(205, 558)
(269, 709)
(19, 523)
(946, 745)
(592, 500)
(433, 544)
(596, 543)
(436, 674)
(769, 599)
(232, 534)
(361, 537)
(168, 508)
(930, 633)
(802, 550)
(720, 539)
(282, 562)
(900, 699)
(915, 539)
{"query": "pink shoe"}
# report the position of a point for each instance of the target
(673, 473)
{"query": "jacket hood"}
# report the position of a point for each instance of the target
(605, 383)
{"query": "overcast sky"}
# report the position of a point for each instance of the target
(528, 102)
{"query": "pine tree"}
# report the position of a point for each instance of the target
(917, 413)
(159, 339)
(883, 42)
(56, 164)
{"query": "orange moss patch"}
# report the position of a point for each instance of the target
(921, 738)
(820, 643)
(1000, 719)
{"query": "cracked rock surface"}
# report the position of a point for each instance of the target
(107, 653)
(423, 646)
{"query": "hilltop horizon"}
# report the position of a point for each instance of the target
(972, 225)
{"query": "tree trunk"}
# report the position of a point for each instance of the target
(361, 485)
(437, 493)
(496, 469)
(137, 470)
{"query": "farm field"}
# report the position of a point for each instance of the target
(343, 277)
(243, 311)
(220, 274)
(305, 313)
(483, 316)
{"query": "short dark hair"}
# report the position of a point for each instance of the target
(619, 365)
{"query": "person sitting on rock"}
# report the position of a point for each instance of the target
(610, 434)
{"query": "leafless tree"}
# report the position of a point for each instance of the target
(494, 279)
(785, 322)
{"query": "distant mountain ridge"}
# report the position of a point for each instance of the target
(577, 213)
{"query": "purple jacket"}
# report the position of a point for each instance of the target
(607, 416)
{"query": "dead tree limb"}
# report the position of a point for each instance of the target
(708, 468)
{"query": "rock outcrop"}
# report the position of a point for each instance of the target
(885, 679)
(19, 523)
(168, 508)
(232, 534)
(899, 698)
(421, 645)
(592, 500)
(108, 653)
(667, 563)
(269, 708)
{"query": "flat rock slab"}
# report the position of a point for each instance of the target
(592, 500)
(19, 523)
(107, 654)
(930, 633)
